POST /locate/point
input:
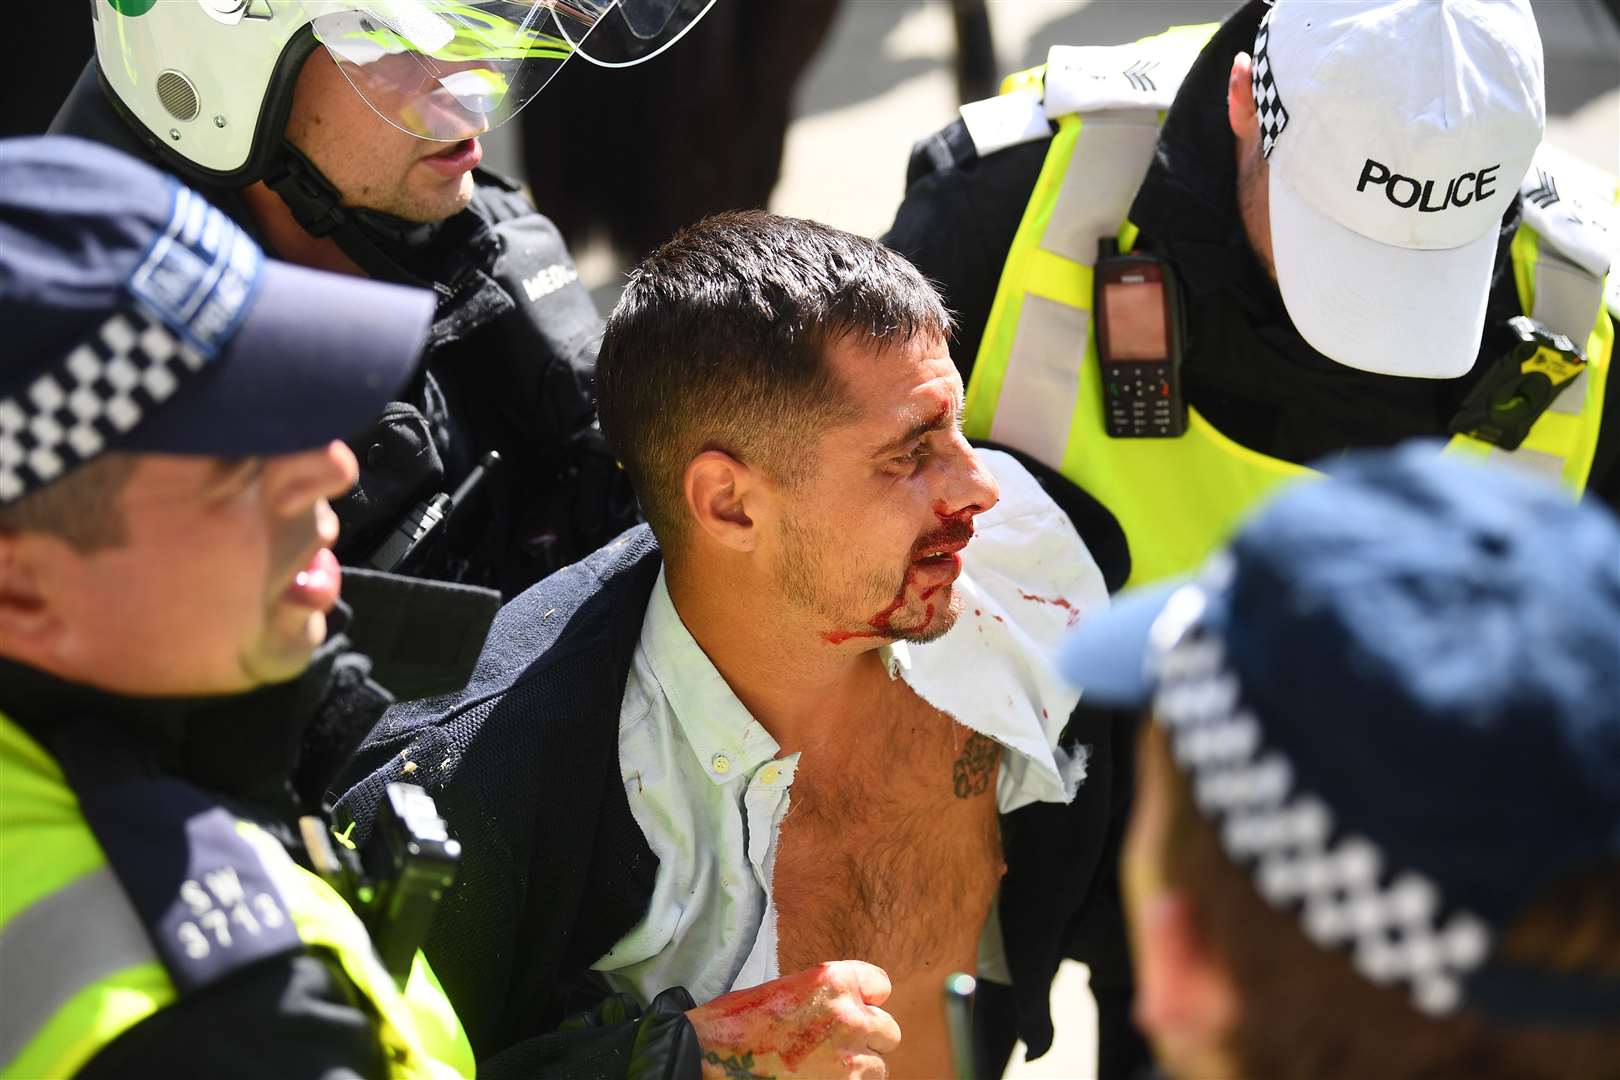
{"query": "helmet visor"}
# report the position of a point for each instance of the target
(448, 70)
(634, 31)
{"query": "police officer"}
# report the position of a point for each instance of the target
(170, 406)
(345, 136)
(1332, 232)
(1378, 831)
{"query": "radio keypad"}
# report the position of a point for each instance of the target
(1139, 402)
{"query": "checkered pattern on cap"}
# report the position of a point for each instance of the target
(1273, 117)
(101, 390)
(1391, 921)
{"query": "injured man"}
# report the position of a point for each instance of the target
(740, 790)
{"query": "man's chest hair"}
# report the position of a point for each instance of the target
(891, 850)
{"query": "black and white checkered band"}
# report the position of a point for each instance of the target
(99, 391)
(1273, 117)
(1392, 922)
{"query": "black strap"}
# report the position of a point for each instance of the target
(317, 205)
(206, 898)
(949, 148)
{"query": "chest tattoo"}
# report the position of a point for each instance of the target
(975, 767)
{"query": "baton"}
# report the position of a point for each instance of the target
(959, 988)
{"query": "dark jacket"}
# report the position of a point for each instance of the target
(524, 766)
(508, 367)
(1246, 368)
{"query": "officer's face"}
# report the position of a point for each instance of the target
(1186, 1003)
(222, 585)
(867, 547)
(373, 163)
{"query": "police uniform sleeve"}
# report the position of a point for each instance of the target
(291, 1015)
(958, 220)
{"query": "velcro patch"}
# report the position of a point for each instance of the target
(200, 275)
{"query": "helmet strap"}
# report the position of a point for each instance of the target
(317, 206)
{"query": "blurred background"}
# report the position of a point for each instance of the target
(810, 107)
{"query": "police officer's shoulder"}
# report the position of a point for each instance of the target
(212, 890)
(1572, 207)
(962, 145)
(1138, 77)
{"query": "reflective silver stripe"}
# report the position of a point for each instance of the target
(1567, 297)
(1111, 157)
(1567, 301)
(1042, 379)
(60, 944)
(1572, 398)
(1534, 462)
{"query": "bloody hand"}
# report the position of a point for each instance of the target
(823, 1022)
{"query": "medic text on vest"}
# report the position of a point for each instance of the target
(1404, 191)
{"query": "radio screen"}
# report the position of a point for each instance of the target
(1135, 321)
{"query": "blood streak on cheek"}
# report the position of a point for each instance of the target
(1054, 601)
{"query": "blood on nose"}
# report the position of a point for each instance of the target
(955, 530)
(962, 516)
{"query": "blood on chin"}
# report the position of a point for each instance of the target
(925, 618)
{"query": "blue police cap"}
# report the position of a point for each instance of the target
(1397, 697)
(138, 317)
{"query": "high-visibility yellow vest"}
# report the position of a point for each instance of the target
(78, 968)
(1036, 382)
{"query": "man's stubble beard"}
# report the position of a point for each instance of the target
(803, 582)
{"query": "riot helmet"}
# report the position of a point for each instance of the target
(209, 83)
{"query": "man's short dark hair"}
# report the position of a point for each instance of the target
(719, 342)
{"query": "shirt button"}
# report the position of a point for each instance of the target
(769, 774)
(722, 764)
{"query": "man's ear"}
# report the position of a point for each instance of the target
(1184, 997)
(1241, 113)
(718, 490)
(26, 618)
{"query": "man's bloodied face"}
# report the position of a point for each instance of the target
(868, 543)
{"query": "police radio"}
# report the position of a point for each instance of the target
(396, 883)
(1512, 393)
(1139, 340)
